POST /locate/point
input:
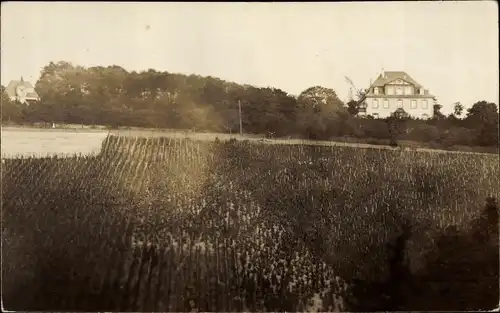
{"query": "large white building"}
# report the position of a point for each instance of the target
(393, 90)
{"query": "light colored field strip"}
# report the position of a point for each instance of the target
(193, 136)
(42, 143)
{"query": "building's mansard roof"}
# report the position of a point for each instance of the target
(426, 95)
(390, 76)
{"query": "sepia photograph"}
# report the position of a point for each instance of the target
(250, 156)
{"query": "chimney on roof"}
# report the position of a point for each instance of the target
(383, 73)
(22, 80)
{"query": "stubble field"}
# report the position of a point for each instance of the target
(179, 225)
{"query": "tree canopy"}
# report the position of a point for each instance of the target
(113, 96)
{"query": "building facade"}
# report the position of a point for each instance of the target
(397, 90)
(22, 91)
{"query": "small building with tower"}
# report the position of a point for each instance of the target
(22, 91)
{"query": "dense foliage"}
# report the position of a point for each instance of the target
(179, 225)
(114, 97)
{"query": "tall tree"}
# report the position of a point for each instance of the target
(318, 112)
(458, 109)
(323, 97)
(483, 117)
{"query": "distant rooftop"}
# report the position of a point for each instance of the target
(12, 87)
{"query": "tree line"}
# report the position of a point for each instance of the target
(114, 97)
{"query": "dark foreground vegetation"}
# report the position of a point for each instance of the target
(169, 225)
(113, 97)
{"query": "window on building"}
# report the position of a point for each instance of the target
(375, 104)
(400, 104)
(399, 91)
(413, 104)
(408, 90)
(390, 90)
(425, 116)
(425, 105)
(421, 91)
(375, 115)
(375, 90)
(386, 104)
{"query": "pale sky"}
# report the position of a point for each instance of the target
(451, 48)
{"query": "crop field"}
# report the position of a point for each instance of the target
(165, 224)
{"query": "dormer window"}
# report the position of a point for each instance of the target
(390, 90)
(375, 90)
(421, 91)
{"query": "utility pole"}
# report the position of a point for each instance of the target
(241, 126)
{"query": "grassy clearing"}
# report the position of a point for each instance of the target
(234, 226)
